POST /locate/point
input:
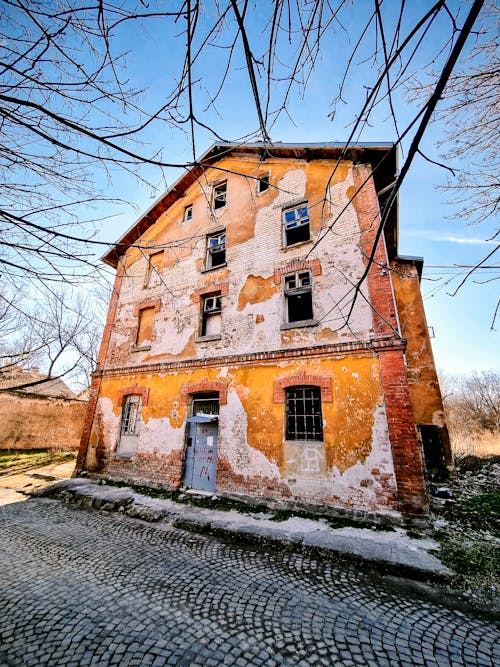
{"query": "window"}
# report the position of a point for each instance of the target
(262, 183)
(296, 224)
(303, 414)
(205, 404)
(145, 326)
(153, 274)
(298, 296)
(219, 195)
(211, 315)
(188, 213)
(216, 250)
(130, 415)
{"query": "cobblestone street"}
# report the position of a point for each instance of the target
(82, 587)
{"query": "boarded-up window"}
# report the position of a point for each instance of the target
(155, 264)
(145, 326)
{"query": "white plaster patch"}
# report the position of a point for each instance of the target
(380, 457)
(158, 436)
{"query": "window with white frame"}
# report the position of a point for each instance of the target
(296, 227)
(219, 195)
(130, 415)
(216, 250)
(303, 420)
(211, 315)
(298, 296)
(188, 213)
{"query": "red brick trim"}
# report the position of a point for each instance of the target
(406, 453)
(298, 265)
(204, 385)
(358, 348)
(302, 378)
(147, 303)
(135, 390)
(379, 276)
(198, 294)
(97, 378)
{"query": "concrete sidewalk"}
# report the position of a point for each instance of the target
(393, 550)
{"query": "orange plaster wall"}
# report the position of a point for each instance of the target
(423, 382)
(256, 290)
(349, 417)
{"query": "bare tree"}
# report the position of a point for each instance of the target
(59, 336)
(70, 116)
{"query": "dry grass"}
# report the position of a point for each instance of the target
(483, 444)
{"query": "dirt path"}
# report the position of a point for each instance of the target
(19, 485)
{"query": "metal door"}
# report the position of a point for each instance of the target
(201, 453)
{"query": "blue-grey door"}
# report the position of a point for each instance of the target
(201, 453)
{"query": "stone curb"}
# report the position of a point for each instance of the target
(390, 552)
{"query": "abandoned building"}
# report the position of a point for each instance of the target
(252, 347)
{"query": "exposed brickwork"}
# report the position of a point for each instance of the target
(230, 481)
(379, 276)
(298, 265)
(280, 384)
(101, 359)
(87, 425)
(136, 390)
(205, 385)
(207, 290)
(336, 350)
(402, 433)
(147, 303)
(162, 469)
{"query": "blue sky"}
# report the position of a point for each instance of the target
(463, 340)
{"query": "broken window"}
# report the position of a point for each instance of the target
(130, 415)
(216, 250)
(219, 195)
(145, 326)
(155, 264)
(298, 296)
(188, 213)
(129, 427)
(296, 224)
(263, 183)
(211, 315)
(303, 414)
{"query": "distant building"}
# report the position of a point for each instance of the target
(44, 414)
(235, 358)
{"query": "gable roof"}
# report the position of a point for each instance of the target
(382, 157)
(13, 377)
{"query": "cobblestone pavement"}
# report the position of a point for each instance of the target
(80, 587)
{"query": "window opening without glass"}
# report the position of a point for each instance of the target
(296, 224)
(298, 296)
(211, 315)
(263, 183)
(216, 250)
(153, 276)
(219, 198)
(303, 414)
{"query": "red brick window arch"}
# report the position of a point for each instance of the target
(303, 379)
(204, 386)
